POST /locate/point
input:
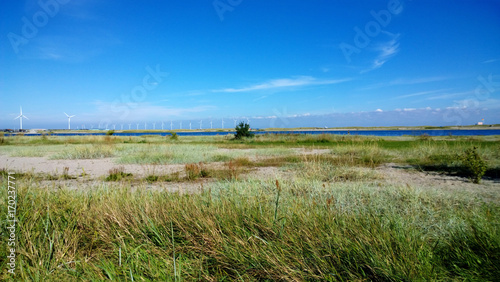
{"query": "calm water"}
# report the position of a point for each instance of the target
(445, 132)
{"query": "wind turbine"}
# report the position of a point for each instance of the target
(190, 125)
(211, 124)
(137, 126)
(154, 125)
(162, 123)
(170, 125)
(20, 117)
(69, 120)
(129, 126)
(144, 125)
(201, 122)
(122, 126)
(114, 126)
(222, 123)
(234, 123)
(180, 125)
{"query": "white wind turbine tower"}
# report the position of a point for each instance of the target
(137, 126)
(20, 117)
(235, 123)
(171, 125)
(122, 126)
(129, 126)
(114, 126)
(69, 120)
(201, 122)
(180, 125)
(190, 125)
(222, 123)
(162, 123)
(211, 124)
(154, 125)
(144, 125)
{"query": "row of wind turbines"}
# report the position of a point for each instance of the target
(21, 116)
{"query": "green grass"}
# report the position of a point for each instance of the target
(331, 219)
(187, 153)
(92, 151)
(241, 230)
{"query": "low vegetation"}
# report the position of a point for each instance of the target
(243, 131)
(474, 164)
(329, 215)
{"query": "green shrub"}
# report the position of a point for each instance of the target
(243, 130)
(110, 132)
(174, 136)
(117, 174)
(475, 165)
(152, 178)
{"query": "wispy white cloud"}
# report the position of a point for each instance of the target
(450, 95)
(491, 61)
(420, 93)
(385, 51)
(299, 81)
(406, 81)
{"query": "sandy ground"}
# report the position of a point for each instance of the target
(101, 167)
(91, 172)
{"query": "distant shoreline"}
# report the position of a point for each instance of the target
(392, 128)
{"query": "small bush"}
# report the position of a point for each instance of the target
(152, 178)
(243, 130)
(110, 132)
(475, 165)
(194, 171)
(117, 174)
(174, 136)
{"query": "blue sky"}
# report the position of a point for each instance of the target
(304, 63)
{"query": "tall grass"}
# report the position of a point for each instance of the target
(244, 230)
(187, 153)
(92, 151)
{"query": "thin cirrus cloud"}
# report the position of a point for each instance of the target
(422, 93)
(385, 51)
(405, 81)
(284, 83)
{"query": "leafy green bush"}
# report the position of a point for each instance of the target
(110, 132)
(174, 136)
(152, 178)
(475, 165)
(243, 130)
(117, 174)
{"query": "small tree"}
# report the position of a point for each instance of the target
(243, 130)
(474, 164)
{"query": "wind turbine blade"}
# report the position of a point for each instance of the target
(66, 114)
